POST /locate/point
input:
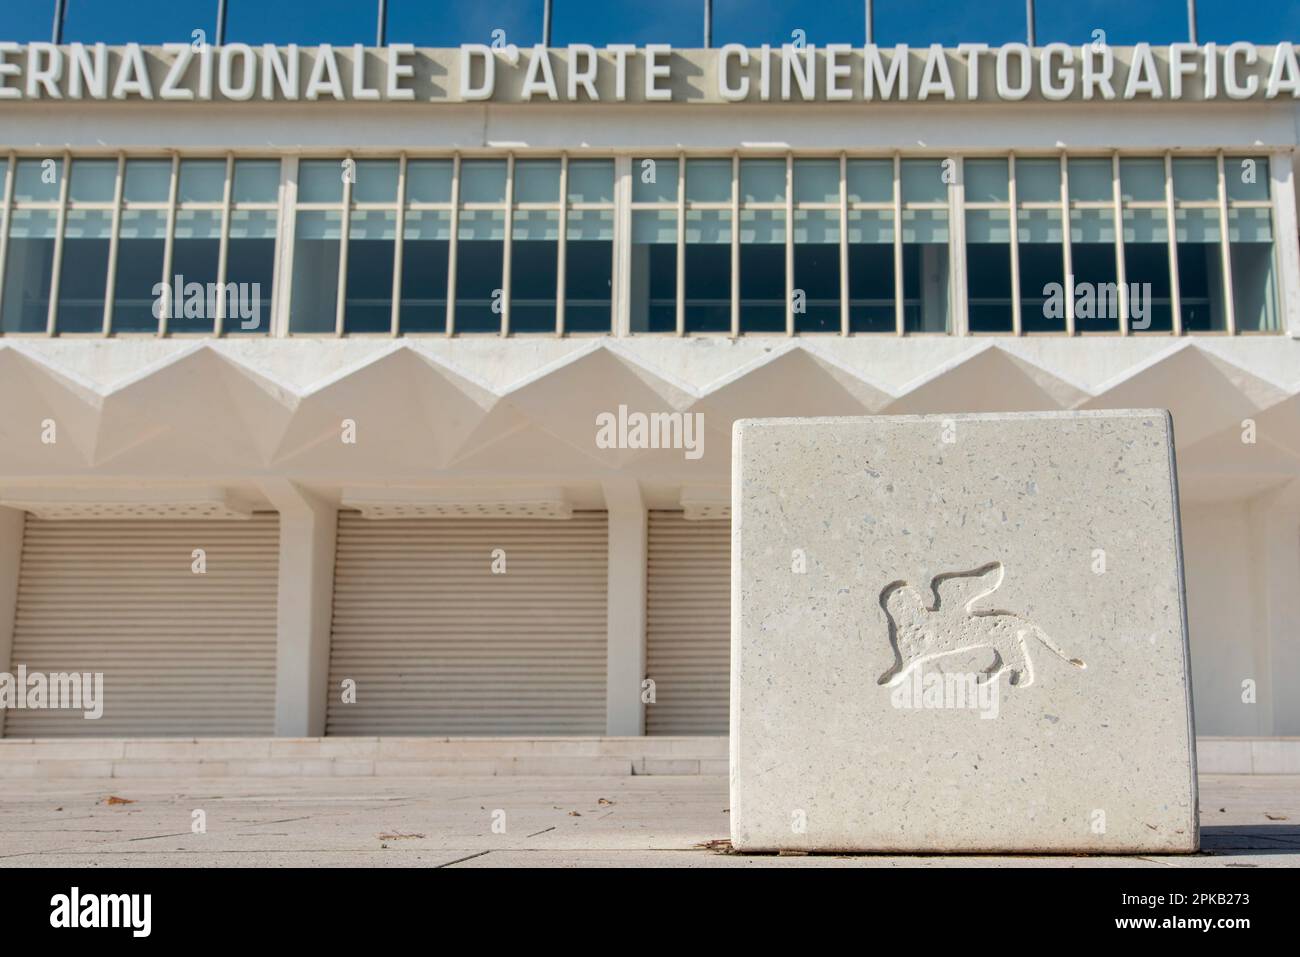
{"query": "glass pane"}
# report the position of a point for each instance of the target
(1038, 180)
(29, 268)
(1146, 270)
(988, 270)
(85, 271)
(483, 181)
(708, 270)
(762, 181)
(1246, 178)
(986, 180)
(653, 279)
(923, 181)
(425, 247)
(196, 250)
(136, 287)
(1042, 268)
(1196, 179)
(591, 181)
(1142, 180)
(537, 181)
(480, 257)
(1200, 269)
(1254, 287)
(925, 282)
(368, 302)
(817, 181)
(871, 271)
(1091, 180)
(320, 181)
(816, 302)
(708, 180)
(1096, 276)
(428, 181)
(202, 181)
(315, 271)
(250, 269)
(870, 181)
(37, 181)
(534, 264)
(588, 271)
(655, 181)
(256, 181)
(762, 270)
(93, 181)
(376, 182)
(147, 181)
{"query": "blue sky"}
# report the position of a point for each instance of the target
(678, 22)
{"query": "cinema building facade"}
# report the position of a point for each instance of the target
(321, 383)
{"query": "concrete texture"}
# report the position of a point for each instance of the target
(1249, 821)
(960, 633)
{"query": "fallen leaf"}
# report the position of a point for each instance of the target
(574, 814)
(604, 802)
(396, 836)
(720, 844)
(1276, 817)
(114, 799)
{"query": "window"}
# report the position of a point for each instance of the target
(1040, 247)
(1146, 244)
(869, 184)
(528, 244)
(1250, 244)
(925, 245)
(988, 246)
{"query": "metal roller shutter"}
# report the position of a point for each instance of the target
(439, 645)
(688, 624)
(181, 653)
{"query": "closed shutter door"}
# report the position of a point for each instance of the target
(438, 644)
(181, 653)
(688, 624)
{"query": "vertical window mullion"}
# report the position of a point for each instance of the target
(452, 244)
(223, 252)
(1121, 267)
(561, 246)
(789, 246)
(735, 245)
(621, 299)
(1066, 252)
(6, 203)
(286, 221)
(398, 244)
(1013, 225)
(508, 245)
(1229, 303)
(844, 245)
(1175, 294)
(111, 271)
(173, 188)
(345, 225)
(958, 299)
(899, 323)
(681, 244)
(56, 266)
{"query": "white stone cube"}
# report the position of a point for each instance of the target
(958, 634)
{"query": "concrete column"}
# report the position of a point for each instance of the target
(1280, 542)
(625, 608)
(11, 553)
(308, 526)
